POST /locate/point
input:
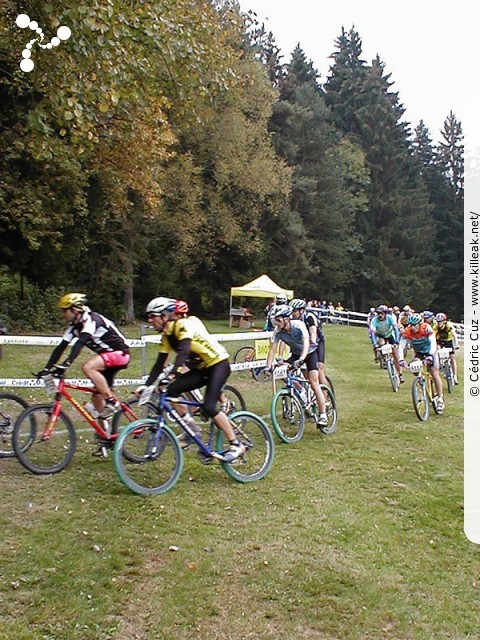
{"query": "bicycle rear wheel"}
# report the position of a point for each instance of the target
(255, 436)
(41, 451)
(419, 397)
(393, 376)
(233, 398)
(11, 406)
(121, 419)
(330, 409)
(448, 371)
(148, 459)
(288, 416)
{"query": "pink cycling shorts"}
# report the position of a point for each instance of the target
(115, 358)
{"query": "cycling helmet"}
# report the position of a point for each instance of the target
(282, 311)
(428, 314)
(441, 317)
(73, 300)
(281, 298)
(181, 306)
(414, 318)
(382, 309)
(297, 303)
(160, 305)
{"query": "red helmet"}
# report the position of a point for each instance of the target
(181, 306)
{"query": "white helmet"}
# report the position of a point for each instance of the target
(297, 303)
(281, 298)
(160, 305)
(282, 311)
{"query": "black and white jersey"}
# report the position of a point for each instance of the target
(104, 335)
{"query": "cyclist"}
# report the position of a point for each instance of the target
(281, 298)
(100, 335)
(384, 329)
(294, 333)
(422, 339)
(429, 317)
(207, 361)
(447, 337)
(317, 336)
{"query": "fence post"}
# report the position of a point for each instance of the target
(144, 351)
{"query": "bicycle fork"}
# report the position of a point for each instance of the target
(51, 422)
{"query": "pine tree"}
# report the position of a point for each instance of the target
(394, 230)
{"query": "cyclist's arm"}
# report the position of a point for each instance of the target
(183, 351)
(83, 338)
(56, 354)
(157, 368)
(271, 352)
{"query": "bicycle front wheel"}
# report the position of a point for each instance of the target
(255, 436)
(40, 448)
(11, 406)
(148, 459)
(393, 376)
(288, 417)
(419, 397)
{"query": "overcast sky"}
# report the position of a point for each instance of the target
(430, 48)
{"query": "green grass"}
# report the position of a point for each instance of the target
(351, 536)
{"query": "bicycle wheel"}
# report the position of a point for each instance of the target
(247, 354)
(419, 397)
(448, 372)
(331, 410)
(11, 406)
(121, 420)
(147, 458)
(233, 399)
(38, 452)
(288, 416)
(244, 354)
(393, 376)
(330, 384)
(254, 434)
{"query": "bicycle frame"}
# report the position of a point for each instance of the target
(164, 407)
(61, 392)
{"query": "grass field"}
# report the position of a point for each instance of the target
(351, 536)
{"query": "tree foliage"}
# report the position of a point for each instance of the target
(166, 148)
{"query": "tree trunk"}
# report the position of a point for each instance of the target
(128, 295)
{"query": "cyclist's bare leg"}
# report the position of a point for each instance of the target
(322, 378)
(93, 369)
(396, 360)
(438, 381)
(314, 383)
(223, 423)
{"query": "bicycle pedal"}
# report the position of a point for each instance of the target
(203, 458)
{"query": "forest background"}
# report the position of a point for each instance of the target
(167, 148)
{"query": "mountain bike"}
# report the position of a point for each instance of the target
(296, 400)
(230, 400)
(386, 353)
(445, 366)
(149, 459)
(11, 406)
(424, 390)
(44, 438)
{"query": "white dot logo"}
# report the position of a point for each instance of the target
(24, 22)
